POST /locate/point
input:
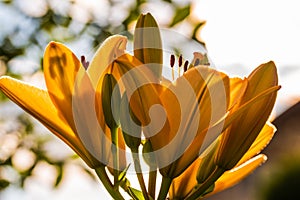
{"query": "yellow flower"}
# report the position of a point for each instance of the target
(66, 107)
(231, 151)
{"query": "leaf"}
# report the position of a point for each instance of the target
(181, 14)
(123, 173)
(135, 194)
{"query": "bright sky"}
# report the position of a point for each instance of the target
(240, 34)
(248, 33)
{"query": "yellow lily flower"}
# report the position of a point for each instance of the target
(205, 166)
(65, 108)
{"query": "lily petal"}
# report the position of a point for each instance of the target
(60, 70)
(185, 182)
(237, 89)
(238, 138)
(206, 86)
(88, 129)
(232, 177)
(112, 48)
(37, 102)
(262, 140)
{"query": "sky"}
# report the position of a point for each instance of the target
(248, 33)
(240, 35)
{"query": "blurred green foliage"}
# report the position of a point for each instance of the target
(24, 35)
(283, 180)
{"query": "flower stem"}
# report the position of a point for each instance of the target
(107, 183)
(152, 182)
(138, 170)
(164, 188)
(206, 184)
(115, 153)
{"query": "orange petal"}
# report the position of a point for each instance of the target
(184, 183)
(262, 140)
(238, 138)
(37, 102)
(112, 48)
(232, 177)
(237, 89)
(192, 104)
(60, 70)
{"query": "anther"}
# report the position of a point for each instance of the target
(185, 66)
(172, 60)
(84, 62)
(180, 61)
(197, 62)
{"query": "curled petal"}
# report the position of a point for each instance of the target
(111, 49)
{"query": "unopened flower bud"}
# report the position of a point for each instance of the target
(148, 154)
(131, 127)
(207, 165)
(148, 44)
(111, 99)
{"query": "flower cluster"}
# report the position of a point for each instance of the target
(203, 131)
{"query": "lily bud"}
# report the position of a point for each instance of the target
(148, 154)
(207, 165)
(147, 43)
(111, 99)
(131, 126)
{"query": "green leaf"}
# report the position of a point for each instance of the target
(136, 194)
(123, 173)
(181, 14)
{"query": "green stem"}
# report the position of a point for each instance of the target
(152, 182)
(115, 153)
(164, 188)
(206, 184)
(138, 170)
(107, 183)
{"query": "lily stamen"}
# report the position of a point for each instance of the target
(179, 64)
(180, 61)
(185, 66)
(172, 63)
(84, 62)
(197, 62)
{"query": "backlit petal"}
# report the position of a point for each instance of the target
(237, 89)
(193, 103)
(37, 102)
(238, 138)
(262, 140)
(60, 70)
(112, 48)
(184, 183)
(232, 177)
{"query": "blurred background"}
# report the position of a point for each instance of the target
(238, 35)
